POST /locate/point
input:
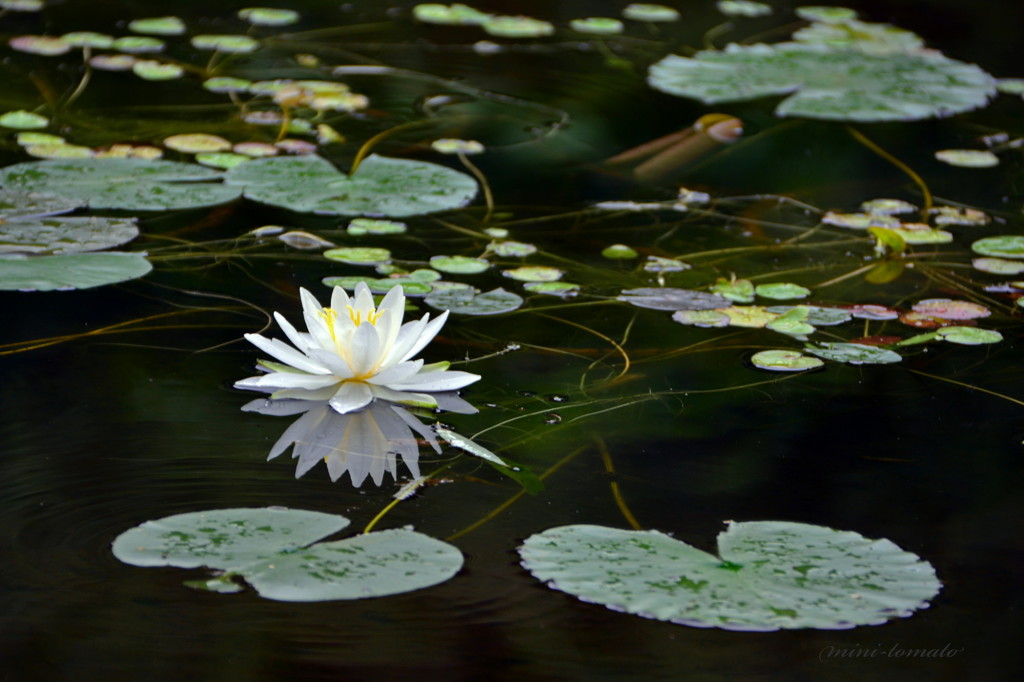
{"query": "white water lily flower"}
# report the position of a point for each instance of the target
(353, 353)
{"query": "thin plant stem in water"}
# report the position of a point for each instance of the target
(620, 501)
(925, 192)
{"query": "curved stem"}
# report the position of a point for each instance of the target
(925, 192)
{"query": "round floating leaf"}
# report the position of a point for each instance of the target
(139, 44)
(738, 290)
(234, 44)
(920, 233)
(23, 120)
(112, 62)
(100, 41)
(459, 265)
(380, 186)
(465, 302)
(453, 146)
(196, 143)
(224, 539)
(59, 151)
(952, 215)
(151, 70)
(16, 205)
(659, 264)
(359, 255)
(770, 575)
(1003, 246)
(828, 83)
(226, 84)
(649, 12)
(743, 8)
(870, 311)
(517, 27)
(968, 158)
(30, 138)
(534, 273)
(268, 16)
(752, 316)
(784, 361)
(619, 252)
(47, 46)
(782, 291)
(361, 226)
(22, 5)
(560, 289)
(701, 318)
(597, 25)
(410, 287)
(860, 221)
(158, 26)
(509, 249)
(255, 149)
(223, 160)
(63, 235)
(948, 309)
(998, 266)
(888, 206)
(969, 336)
(129, 184)
(457, 14)
(819, 316)
(71, 271)
(854, 353)
(792, 322)
(668, 298)
(371, 565)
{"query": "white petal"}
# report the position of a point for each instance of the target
(334, 363)
(406, 339)
(339, 299)
(298, 339)
(312, 313)
(306, 395)
(363, 301)
(286, 354)
(427, 335)
(364, 353)
(351, 396)
(403, 397)
(276, 380)
(399, 373)
(436, 381)
(391, 311)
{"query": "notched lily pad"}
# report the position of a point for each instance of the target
(129, 184)
(271, 549)
(668, 298)
(464, 301)
(769, 575)
(380, 186)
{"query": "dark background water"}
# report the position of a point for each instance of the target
(101, 434)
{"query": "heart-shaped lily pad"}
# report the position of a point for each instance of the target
(271, 549)
(771, 575)
(380, 186)
(129, 184)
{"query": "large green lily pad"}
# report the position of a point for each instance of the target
(829, 82)
(71, 271)
(128, 184)
(770, 575)
(271, 548)
(380, 186)
(65, 235)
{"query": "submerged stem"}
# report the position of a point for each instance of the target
(925, 192)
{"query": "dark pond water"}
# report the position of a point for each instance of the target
(101, 432)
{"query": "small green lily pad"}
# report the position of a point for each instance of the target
(855, 353)
(454, 15)
(743, 8)
(534, 273)
(619, 252)
(139, 44)
(23, 120)
(99, 41)
(968, 158)
(232, 44)
(158, 26)
(784, 361)
(517, 27)
(359, 255)
(998, 266)
(669, 298)
(602, 26)
(769, 575)
(701, 318)
(465, 302)
(751, 316)
(196, 143)
(459, 265)
(71, 271)
(659, 264)
(969, 336)
(226, 84)
(453, 146)
(782, 291)
(151, 70)
(268, 16)
(1003, 246)
(112, 62)
(560, 289)
(888, 206)
(380, 186)
(47, 46)
(640, 11)
(510, 249)
(737, 290)
(360, 226)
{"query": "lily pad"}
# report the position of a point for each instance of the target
(510, 249)
(737, 290)
(271, 549)
(380, 186)
(139, 44)
(668, 298)
(619, 252)
(998, 266)
(701, 318)
(597, 26)
(534, 273)
(743, 8)
(825, 82)
(969, 336)
(359, 255)
(100, 41)
(196, 143)
(151, 70)
(560, 289)
(71, 271)
(465, 302)
(770, 575)
(659, 264)
(752, 316)
(47, 46)
(158, 26)
(784, 361)
(129, 184)
(819, 316)
(517, 27)
(56, 235)
(782, 291)
(640, 11)
(459, 265)
(855, 353)
(233, 44)
(1003, 246)
(361, 226)
(454, 15)
(968, 158)
(949, 309)
(23, 120)
(268, 16)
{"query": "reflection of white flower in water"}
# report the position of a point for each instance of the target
(355, 352)
(362, 442)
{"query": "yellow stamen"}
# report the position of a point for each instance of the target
(356, 316)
